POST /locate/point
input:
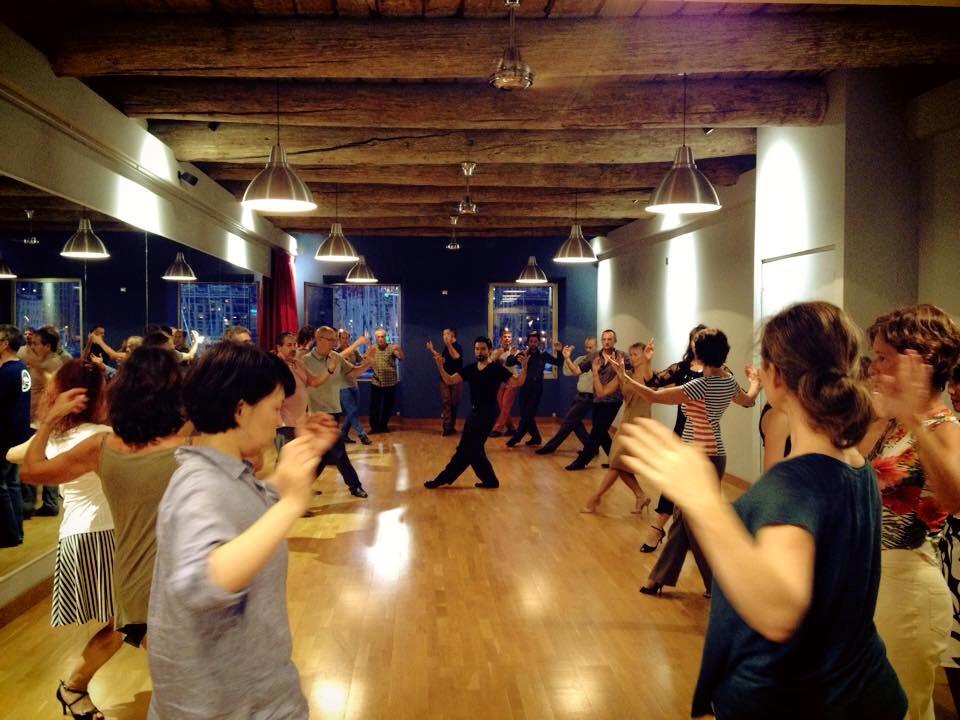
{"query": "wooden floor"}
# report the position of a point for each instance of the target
(452, 603)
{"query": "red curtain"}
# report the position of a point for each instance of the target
(278, 301)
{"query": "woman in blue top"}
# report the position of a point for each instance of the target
(797, 557)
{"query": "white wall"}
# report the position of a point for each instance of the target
(939, 222)
(662, 289)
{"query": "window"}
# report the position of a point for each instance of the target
(358, 308)
(522, 309)
(208, 308)
(51, 301)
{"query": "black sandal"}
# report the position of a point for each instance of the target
(67, 707)
(650, 548)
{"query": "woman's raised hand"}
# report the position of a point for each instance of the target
(67, 402)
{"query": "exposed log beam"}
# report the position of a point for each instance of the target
(720, 171)
(456, 48)
(233, 142)
(586, 105)
(910, 3)
(498, 233)
(441, 222)
(615, 208)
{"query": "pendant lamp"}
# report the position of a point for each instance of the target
(512, 73)
(467, 206)
(30, 239)
(575, 248)
(361, 273)
(277, 189)
(336, 248)
(684, 189)
(180, 270)
(532, 274)
(454, 244)
(84, 244)
(6, 272)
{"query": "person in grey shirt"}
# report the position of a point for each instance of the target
(219, 635)
(582, 401)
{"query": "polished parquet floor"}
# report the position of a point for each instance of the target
(452, 603)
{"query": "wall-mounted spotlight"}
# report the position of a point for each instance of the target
(707, 131)
(188, 178)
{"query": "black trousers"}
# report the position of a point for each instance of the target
(529, 399)
(573, 421)
(604, 413)
(336, 455)
(381, 406)
(470, 450)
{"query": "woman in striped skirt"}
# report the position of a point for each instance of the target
(83, 572)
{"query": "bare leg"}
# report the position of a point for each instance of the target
(609, 478)
(631, 482)
(99, 649)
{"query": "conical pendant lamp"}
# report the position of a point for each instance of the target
(532, 274)
(361, 273)
(575, 248)
(180, 270)
(512, 73)
(454, 244)
(277, 189)
(84, 244)
(684, 189)
(336, 248)
(467, 206)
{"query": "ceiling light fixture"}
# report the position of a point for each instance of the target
(361, 273)
(512, 73)
(532, 274)
(684, 189)
(180, 270)
(277, 189)
(467, 206)
(454, 244)
(84, 244)
(575, 248)
(6, 272)
(30, 239)
(336, 248)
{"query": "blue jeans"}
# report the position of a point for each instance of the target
(350, 405)
(11, 504)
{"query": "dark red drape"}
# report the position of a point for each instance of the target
(278, 301)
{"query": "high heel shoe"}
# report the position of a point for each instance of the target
(641, 506)
(650, 548)
(655, 589)
(67, 707)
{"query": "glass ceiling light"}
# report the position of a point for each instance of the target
(684, 189)
(454, 243)
(180, 270)
(30, 239)
(336, 248)
(575, 248)
(361, 273)
(532, 274)
(84, 244)
(512, 73)
(277, 189)
(467, 206)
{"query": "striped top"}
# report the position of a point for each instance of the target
(708, 398)
(911, 513)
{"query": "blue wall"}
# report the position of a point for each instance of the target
(424, 269)
(122, 313)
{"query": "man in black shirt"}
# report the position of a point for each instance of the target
(450, 394)
(532, 388)
(484, 377)
(14, 429)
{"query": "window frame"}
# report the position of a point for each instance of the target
(258, 301)
(554, 373)
(13, 300)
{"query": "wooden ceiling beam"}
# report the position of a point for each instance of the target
(585, 105)
(721, 171)
(458, 48)
(617, 208)
(306, 223)
(233, 142)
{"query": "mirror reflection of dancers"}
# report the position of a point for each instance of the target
(508, 390)
(582, 400)
(531, 389)
(484, 377)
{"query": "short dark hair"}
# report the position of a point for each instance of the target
(283, 335)
(167, 329)
(483, 339)
(145, 397)
(688, 353)
(47, 335)
(157, 338)
(226, 374)
(451, 328)
(611, 331)
(305, 334)
(533, 333)
(13, 336)
(711, 347)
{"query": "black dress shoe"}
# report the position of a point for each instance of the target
(533, 442)
(576, 465)
(487, 486)
(436, 482)
(545, 450)
(358, 492)
(512, 442)
(349, 441)
(47, 512)
(365, 440)
(495, 433)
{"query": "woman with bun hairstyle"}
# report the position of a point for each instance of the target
(914, 350)
(796, 557)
